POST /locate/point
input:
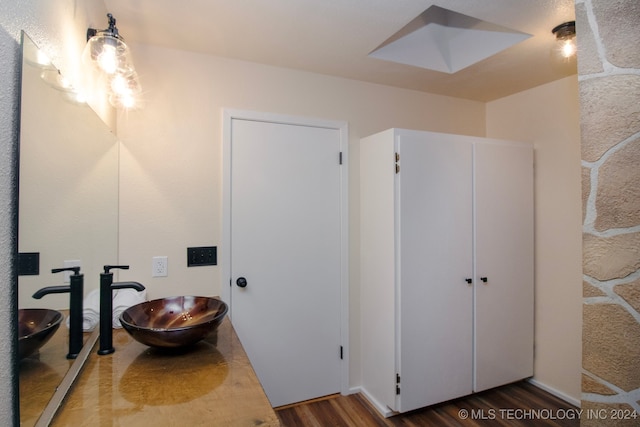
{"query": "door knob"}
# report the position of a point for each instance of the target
(484, 279)
(241, 282)
(469, 281)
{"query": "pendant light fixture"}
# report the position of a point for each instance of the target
(566, 39)
(108, 53)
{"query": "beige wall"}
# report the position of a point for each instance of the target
(170, 195)
(547, 116)
(68, 196)
(609, 70)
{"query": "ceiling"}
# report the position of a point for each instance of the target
(334, 37)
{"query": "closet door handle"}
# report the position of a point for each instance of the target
(469, 281)
(241, 282)
(484, 279)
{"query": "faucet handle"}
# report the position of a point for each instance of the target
(76, 270)
(109, 267)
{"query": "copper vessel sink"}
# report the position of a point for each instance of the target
(35, 327)
(173, 322)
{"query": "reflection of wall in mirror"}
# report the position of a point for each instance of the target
(68, 189)
(62, 30)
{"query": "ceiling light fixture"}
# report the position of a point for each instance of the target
(109, 54)
(566, 39)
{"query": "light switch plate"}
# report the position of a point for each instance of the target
(202, 255)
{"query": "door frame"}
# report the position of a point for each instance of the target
(225, 256)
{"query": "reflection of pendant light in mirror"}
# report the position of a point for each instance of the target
(36, 57)
(109, 54)
(565, 39)
(53, 78)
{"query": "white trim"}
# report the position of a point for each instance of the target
(557, 393)
(225, 258)
(225, 255)
(383, 409)
(353, 390)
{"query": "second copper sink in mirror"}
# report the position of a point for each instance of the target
(35, 327)
(175, 321)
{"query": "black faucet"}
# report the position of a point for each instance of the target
(106, 306)
(76, 291)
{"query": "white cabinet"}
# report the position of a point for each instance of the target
(446, 266)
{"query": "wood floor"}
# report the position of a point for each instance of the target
(518, 404)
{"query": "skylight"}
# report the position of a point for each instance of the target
(443, 40)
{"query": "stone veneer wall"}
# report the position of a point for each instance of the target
(608, 34)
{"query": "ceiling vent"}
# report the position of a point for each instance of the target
(443, 40)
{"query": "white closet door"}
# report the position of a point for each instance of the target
(504, 256)
(434, 325)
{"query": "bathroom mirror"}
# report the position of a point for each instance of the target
(67, 213)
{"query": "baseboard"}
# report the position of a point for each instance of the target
(354, 390)
(381, 408)
(557, 393)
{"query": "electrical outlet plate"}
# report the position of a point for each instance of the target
(159, 266)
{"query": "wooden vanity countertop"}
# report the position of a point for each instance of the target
(211, 384)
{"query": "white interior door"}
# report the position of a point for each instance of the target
(435, 254)
(504, 256)
(286, 243)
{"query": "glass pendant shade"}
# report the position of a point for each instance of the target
(107, 53)
(567, 47)
(125, 91)
(124, 102)
(110, 54)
